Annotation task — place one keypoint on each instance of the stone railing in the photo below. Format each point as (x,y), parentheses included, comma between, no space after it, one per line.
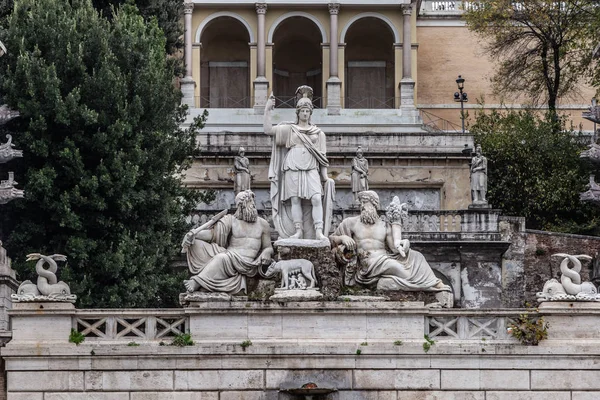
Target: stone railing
(130,325)
(472,224)
(162,325)
(446,7)
(469,324)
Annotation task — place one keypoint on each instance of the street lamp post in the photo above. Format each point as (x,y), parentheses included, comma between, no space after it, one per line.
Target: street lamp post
(461,97)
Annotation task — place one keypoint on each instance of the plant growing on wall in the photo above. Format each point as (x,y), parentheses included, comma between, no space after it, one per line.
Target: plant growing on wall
(529,330)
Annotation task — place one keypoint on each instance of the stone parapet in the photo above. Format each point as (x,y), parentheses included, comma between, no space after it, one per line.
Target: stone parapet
(371,350)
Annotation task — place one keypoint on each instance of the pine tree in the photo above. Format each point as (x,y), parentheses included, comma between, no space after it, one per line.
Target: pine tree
(99,126)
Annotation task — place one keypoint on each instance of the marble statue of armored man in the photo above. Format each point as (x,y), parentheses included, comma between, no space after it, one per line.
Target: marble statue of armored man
(302,206)
(382,253)
(236,246)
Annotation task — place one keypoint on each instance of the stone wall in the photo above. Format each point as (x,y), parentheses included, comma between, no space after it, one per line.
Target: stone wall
(540,246)
(252,351)
(528,262)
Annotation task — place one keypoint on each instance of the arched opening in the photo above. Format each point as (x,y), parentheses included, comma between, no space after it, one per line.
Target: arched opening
(297,60)
(225,64)
(369,62)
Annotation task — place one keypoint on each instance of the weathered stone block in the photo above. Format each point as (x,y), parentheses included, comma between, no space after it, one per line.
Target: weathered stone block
(396,379)
(25,396)
(562,380)
(288,379)
(440,395)
(219,380)
(87,396)
(366,395)
(484,379)
(129,380)
(528,395)
(585,395)
(246,396)
(175,396)
(45,381)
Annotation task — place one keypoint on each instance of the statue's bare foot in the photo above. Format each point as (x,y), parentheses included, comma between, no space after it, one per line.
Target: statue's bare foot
(440,285)
(319,235)
(297,235)
(191,285)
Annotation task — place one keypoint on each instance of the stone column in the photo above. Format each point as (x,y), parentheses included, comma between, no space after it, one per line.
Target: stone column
(261,84)
(188,84)
(334,84)
(407,84)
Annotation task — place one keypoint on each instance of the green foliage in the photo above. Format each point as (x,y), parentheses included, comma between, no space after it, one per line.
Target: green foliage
(427,343)
(358,352)
(245,344)
(398,343)
(133,344)
(535,172)
(529,330)
(103,150)
(76,337)
(168,14)
(541,47)
(364,344)
(182,340)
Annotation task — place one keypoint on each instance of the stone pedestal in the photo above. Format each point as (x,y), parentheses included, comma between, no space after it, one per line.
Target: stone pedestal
(329,278)
(570,321)
(334,96)
(290,295)
(41,322)
(261,93)
(407,93)
(480,205)
(188,86)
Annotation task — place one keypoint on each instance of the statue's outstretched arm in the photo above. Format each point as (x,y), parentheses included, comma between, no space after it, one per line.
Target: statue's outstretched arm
(267,124)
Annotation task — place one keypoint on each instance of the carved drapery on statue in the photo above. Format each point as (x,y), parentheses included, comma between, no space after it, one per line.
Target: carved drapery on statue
(217,269)
(417,274)
(297,156)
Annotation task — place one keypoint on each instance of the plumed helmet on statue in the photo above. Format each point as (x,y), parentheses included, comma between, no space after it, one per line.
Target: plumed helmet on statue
(371,196)
(241,150)
(243,197)
(304,94)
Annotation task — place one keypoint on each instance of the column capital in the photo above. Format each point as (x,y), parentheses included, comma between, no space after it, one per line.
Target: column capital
(407,9)
(334,8)
(188,7)
(261,8)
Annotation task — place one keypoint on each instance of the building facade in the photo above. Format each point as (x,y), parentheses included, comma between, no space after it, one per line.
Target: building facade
(383,74)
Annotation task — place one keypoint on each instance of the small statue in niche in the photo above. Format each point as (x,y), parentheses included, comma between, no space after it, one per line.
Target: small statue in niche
(241,167)
(479,179)
(360,172)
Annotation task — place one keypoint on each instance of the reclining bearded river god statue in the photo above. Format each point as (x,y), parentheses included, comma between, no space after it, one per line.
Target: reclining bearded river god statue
(369,237)
(228,248)
(302,206)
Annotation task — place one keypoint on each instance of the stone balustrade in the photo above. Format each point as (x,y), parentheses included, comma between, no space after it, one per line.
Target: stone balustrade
(446,7)
(422,225)
(131,325)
